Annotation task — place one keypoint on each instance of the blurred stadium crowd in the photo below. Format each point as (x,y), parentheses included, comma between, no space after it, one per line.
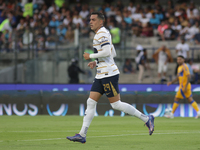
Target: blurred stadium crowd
(58,20)
(41,24)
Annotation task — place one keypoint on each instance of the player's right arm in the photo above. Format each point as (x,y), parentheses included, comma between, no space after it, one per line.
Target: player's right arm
(173,81)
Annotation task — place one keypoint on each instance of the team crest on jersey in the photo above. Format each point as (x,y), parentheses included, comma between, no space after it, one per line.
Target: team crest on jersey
(104,39)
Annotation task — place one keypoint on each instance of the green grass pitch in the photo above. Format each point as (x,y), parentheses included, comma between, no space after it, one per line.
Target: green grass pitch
(105,133)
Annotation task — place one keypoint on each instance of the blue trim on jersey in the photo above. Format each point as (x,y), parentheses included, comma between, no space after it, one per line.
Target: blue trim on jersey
(182,93)
(176,102)
(192,102)
(104,44)
(181,73)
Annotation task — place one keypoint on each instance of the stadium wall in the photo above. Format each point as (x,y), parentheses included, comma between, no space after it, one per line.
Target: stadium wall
(61,100)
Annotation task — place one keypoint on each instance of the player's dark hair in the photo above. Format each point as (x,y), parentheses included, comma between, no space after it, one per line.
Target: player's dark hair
(180,56)
(99,15)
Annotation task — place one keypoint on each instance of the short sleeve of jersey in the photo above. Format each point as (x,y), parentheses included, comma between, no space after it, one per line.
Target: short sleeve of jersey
(102,39)
(186,70)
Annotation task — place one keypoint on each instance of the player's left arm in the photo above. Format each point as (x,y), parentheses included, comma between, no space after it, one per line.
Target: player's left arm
(173,81)
(186,71)
(188,81)
(104,52)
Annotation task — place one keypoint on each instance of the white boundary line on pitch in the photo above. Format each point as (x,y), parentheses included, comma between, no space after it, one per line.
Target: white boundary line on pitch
(91,131)
(197,132)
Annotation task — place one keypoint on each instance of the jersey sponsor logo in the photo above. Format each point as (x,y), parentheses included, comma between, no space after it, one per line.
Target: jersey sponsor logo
(98,71)
(107,93)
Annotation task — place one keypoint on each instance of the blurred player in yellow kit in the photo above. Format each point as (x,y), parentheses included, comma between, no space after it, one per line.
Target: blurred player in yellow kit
(183,76)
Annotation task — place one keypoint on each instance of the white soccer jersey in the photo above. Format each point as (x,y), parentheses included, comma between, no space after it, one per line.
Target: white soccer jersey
(106,66)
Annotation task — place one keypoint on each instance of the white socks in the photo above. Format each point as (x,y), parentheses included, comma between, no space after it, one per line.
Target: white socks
(121,106)
(89,115)
(127,108)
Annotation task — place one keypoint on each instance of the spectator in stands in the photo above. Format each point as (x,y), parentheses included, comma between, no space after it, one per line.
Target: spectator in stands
(177,28)
(127,18)
(70,34)
(147,30)
(67,20)
(154,21)
(39,39)
(54,23)
(84,12)
(27,37)
(2,16)
(78,7)
(170,4)
(148,12)
(52,38)
(115,32)
(140,62)
(178,11)
(169,33)
(128,68)
(131,7)
(142,65)
(190,31)
(6,25)
(144,20)
(6,39)
(19,44)
(161,29)
(159,15)
(169,15)
(52,8)
(162,56)
(85,30)
(183,18)
(120,6)
(137,28)
(61,32)
(192,13)
(183,50)
(197,38)
(138,14)
(118,17)
(77,19)
(111,12)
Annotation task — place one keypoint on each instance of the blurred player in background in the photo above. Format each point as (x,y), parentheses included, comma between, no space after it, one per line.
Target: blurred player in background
(183,76)
(106,80)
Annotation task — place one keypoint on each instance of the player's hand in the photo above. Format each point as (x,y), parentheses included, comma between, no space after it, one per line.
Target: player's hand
(169,83)
(92,64)
(86,56)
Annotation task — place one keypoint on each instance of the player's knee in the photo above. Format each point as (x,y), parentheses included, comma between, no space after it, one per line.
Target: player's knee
(91,102)
(116,105)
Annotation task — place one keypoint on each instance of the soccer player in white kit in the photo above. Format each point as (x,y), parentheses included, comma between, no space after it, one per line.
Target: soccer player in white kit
(106,79)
